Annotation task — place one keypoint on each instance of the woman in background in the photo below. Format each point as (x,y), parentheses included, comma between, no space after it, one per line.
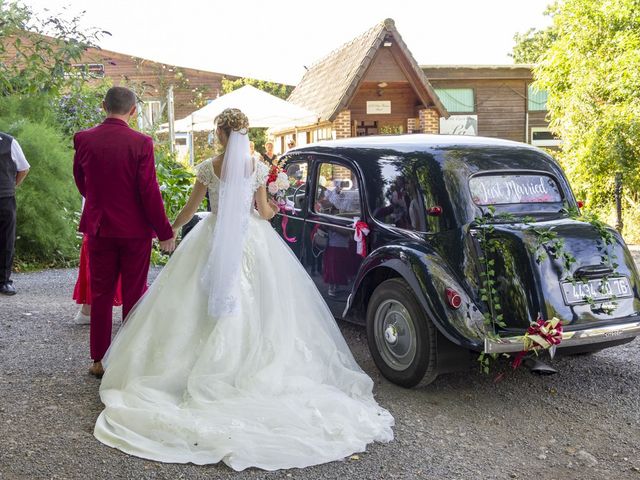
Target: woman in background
(82,290)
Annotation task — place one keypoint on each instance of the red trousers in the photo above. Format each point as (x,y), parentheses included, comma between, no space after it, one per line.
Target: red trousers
(109,258)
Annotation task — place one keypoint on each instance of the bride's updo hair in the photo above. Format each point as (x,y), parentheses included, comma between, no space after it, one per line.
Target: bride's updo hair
(232,119)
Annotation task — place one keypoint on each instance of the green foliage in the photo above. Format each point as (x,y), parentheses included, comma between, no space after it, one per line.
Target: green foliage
(33,63)
(176,181)
(277,89)
(47,200)
(80,107)
(37,55)
(32,107)
(259,137)
(591,73)
(491,247)
(548,244)
(529,46)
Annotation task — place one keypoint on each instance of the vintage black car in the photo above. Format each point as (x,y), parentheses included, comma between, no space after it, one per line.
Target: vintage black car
(429,203)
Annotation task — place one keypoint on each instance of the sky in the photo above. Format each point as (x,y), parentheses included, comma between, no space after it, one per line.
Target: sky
(274,40)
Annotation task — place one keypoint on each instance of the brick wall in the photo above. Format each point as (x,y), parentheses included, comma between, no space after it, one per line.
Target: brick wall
(342,124)
(412,125)
(429,121)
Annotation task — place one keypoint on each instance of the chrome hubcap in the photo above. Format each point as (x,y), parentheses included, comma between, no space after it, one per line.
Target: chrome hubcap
(391,335)
(395,335)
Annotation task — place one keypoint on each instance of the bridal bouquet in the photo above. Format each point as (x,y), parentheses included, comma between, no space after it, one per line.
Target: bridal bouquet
(277,183)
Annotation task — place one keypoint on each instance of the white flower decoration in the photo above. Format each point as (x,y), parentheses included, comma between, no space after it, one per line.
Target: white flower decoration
(282,181)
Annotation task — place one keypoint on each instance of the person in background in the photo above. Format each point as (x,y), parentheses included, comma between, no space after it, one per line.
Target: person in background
(13,170)
(82,289)
(291,144)
(255,155)
(269,156)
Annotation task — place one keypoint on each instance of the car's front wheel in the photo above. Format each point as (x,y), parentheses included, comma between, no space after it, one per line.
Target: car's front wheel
(401,337)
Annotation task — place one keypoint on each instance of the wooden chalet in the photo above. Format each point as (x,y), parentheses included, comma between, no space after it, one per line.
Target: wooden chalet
(368,86)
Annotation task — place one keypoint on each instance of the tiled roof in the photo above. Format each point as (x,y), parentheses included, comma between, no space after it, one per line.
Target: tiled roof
(327,87)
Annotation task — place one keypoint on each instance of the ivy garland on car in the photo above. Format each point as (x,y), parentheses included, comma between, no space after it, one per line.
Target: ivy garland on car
(542,334)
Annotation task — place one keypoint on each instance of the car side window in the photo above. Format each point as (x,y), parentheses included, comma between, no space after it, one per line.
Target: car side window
(296,193)
(402,204)
(337,191)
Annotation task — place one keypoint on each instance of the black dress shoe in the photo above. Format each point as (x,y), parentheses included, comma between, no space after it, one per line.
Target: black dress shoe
(7,289)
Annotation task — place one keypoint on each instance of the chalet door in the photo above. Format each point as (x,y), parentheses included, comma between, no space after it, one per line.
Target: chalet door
(330,252)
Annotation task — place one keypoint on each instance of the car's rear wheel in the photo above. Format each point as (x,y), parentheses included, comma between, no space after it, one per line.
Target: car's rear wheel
(401,337)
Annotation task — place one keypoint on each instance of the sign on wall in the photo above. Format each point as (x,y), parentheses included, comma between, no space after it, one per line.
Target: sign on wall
(377,107)
(459,125)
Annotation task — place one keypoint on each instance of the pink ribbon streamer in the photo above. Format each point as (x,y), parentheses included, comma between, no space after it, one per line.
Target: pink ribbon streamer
(362,230)
(285,220)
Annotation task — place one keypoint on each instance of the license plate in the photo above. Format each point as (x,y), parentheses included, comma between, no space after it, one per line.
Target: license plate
(598,290)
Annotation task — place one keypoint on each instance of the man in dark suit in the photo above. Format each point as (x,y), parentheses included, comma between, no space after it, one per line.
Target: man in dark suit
(13,169)
(115,172)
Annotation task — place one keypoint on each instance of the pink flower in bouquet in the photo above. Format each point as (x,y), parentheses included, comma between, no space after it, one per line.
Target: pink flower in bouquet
(273,188)
(278,183)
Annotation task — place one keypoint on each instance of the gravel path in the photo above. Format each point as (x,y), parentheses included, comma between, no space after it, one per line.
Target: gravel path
(583,423)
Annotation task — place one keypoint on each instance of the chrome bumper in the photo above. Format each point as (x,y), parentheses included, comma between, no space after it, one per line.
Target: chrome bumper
(569,339)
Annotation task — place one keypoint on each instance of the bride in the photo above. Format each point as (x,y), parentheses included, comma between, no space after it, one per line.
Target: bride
(232,355)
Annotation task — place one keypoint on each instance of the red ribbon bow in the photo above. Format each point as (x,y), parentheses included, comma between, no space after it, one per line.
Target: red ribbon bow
(542,334)
(362,230)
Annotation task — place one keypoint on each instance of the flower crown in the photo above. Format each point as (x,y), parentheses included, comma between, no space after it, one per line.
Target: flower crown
(232,118)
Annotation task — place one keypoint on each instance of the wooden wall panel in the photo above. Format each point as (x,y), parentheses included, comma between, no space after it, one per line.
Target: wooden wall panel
(500,105)
(191,87)
(403,102)
(384,68)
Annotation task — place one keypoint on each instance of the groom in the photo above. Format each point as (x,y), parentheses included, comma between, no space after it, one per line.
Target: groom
(115,172)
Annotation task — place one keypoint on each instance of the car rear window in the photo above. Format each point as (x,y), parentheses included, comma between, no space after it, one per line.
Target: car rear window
(508,189)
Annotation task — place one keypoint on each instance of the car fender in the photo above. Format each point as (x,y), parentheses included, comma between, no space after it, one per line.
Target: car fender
(428,276)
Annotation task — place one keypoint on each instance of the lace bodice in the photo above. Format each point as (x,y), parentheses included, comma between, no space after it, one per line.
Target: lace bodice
(206,176)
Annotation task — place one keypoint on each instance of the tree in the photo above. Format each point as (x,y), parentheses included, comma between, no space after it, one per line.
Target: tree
(590,71)
(37,53)
(47,201)
(531,44)
(276,89)
(43,99)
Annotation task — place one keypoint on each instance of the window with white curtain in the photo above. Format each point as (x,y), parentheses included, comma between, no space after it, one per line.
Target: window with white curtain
(536,99)
(457,100)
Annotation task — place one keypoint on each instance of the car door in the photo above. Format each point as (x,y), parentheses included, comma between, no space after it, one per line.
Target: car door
(289,223)
(330,250)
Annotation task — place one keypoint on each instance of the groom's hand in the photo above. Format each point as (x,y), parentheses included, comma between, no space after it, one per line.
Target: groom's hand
(168,245)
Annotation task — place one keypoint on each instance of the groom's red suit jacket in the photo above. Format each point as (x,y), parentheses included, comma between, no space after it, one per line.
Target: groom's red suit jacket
(115,172)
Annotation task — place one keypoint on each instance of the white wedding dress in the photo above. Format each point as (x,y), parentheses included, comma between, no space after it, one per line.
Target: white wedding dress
(275,387)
